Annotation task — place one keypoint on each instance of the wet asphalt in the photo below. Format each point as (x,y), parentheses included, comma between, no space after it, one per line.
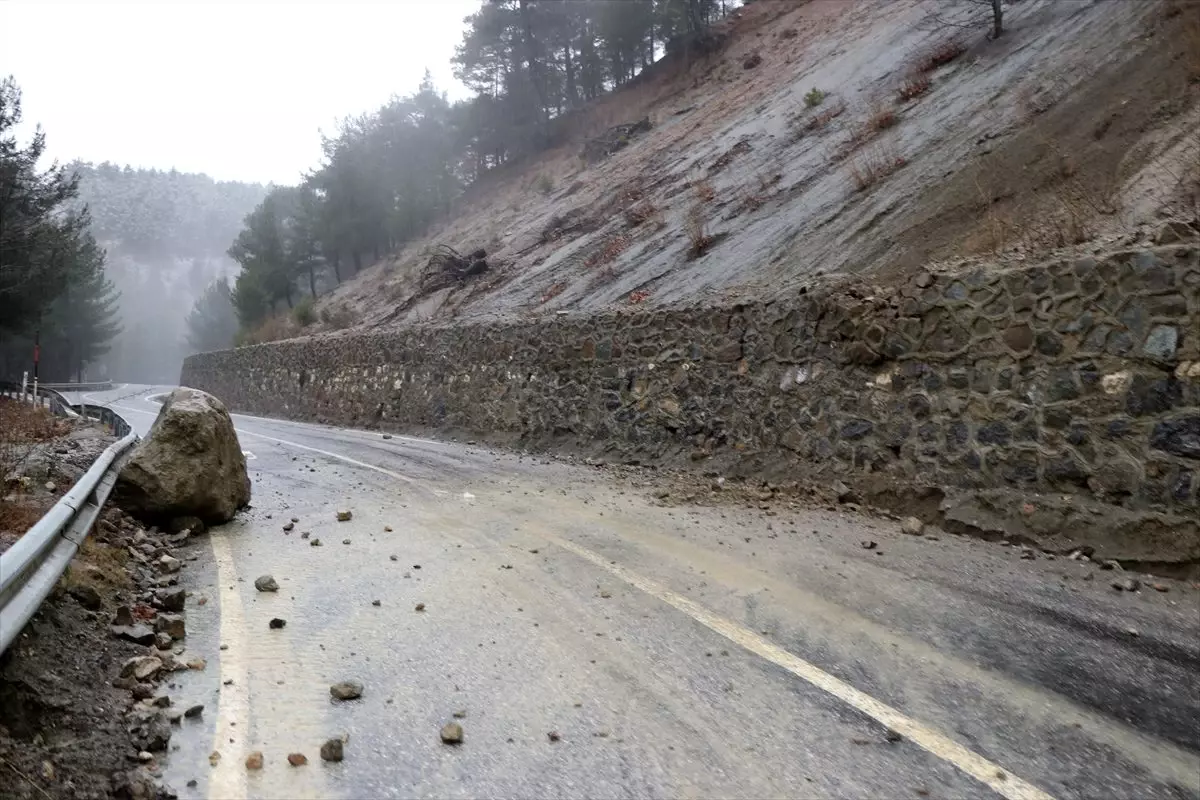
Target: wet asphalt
(594,641)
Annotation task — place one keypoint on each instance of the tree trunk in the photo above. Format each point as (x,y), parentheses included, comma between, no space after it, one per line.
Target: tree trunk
(337,266)
(997,19)
(288,296)
(357,261)
(312,281)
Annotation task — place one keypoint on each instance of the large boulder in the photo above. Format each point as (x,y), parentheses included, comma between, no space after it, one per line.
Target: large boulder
(190,464)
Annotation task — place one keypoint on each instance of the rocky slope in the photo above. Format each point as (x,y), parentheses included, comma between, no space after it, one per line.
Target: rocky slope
(929,142)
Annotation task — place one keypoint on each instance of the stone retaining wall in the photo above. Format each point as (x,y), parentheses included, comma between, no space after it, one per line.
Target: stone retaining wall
(1078,376)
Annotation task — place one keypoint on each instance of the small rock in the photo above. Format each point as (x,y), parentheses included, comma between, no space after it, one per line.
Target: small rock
(171,624)
(169,564)
(346,690)
(460,714)
(214,758)
(276,623)
(376,603)
(1126,585)
(420,607)
(138,634)
(332,750)
(344,515)
(893,737)
(194,711)
(141,667)
(295,519)
(305,535)
(1110,564)
(345,541)
(288,526)
(171,599)
(254,760)
(163,641)
(842,492)
(145,756)
(869,545)
(1131,631)
(1160,587)
(266,583)
(912,526)
(142,691)
(553,736)
(87,596)
(452,733)
(297,759)
(387,436)
(393,558)
(387,528)
(197,664)
(314,543)
(123,617)
(51,486)
(162,701)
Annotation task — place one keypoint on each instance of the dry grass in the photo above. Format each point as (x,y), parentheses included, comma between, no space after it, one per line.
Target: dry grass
(553,292)
(24,430)
(638,297)
(820,120)
(872,167)
(699,239)
(914,86)
(643,212)
(938,54)
(704,190)
(608,251)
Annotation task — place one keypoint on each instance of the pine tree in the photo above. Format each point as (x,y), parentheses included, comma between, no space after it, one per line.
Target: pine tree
(82,320)
(213,323)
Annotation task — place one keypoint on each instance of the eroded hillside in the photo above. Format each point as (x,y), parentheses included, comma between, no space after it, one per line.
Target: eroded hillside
(831,137)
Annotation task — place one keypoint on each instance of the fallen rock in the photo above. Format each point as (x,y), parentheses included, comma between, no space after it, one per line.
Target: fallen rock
(297,759)
(332,750)
(123,616)
(254,760)
(912,526)
(186,524)
(420,607)
(138,634)
(171,624)
(163,641)
(190,464)
(346,690)
(1127,585)
(171,599)
(266,583)
(276,623)
(197,664)
(169,564)
(287,526)
(87,596)
(344,515)
(452,733)
(194,711)
(314,543)
(141,667)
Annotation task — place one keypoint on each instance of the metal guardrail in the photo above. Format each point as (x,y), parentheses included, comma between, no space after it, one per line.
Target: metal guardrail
(98,386)
(31,567)
(51,399)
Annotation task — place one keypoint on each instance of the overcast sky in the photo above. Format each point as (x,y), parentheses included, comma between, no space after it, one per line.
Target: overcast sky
(238,90)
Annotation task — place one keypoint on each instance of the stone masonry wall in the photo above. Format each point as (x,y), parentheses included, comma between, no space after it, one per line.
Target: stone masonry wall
(1077,376)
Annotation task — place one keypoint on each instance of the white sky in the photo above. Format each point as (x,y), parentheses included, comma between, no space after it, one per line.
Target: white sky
(236,90)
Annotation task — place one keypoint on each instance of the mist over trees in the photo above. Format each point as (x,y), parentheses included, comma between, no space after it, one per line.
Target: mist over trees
(166,233)
(387,175)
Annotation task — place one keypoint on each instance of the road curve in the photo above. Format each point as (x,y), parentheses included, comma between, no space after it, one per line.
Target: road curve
(594,641)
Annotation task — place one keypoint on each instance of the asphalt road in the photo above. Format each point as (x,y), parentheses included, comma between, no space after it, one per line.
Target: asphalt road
(598,642)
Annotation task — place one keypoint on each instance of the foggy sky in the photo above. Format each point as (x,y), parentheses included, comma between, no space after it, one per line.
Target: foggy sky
(236,90)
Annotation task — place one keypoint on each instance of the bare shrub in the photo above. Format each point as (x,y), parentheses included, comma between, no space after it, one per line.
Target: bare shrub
(913,86)
(338,317)
(25,430)
(553,292)
(823,118)
(873,166)
(939,54)
(699,239)
(704,190)
(608,251)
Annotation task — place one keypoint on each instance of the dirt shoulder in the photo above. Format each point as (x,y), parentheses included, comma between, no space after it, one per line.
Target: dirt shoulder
(82,713)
